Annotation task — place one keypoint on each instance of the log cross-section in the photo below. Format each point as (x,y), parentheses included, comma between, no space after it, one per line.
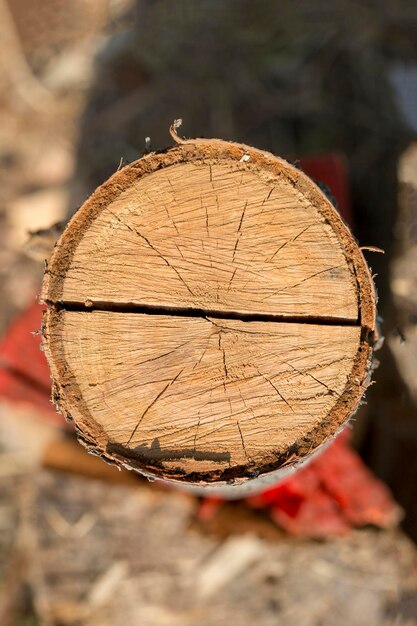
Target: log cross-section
(210,317)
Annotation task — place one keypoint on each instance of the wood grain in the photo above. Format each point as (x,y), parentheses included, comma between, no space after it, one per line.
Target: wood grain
(200,391)
(210,318)
(215,237)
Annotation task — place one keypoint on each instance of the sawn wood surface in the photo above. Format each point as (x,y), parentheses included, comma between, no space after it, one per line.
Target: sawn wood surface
(210,316)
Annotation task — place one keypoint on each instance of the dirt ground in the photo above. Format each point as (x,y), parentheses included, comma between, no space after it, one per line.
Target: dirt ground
(97,555)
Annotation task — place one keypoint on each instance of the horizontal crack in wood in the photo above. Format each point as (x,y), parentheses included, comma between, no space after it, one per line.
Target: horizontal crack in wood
(149,309)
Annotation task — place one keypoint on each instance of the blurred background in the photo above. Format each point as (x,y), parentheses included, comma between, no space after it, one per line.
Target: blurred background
(331,87)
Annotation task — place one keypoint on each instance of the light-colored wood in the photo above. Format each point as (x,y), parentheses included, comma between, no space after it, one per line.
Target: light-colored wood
(213,237)
(205,393)
(210,317)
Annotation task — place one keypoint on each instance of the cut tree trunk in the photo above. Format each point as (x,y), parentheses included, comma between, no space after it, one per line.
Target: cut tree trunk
(210,317)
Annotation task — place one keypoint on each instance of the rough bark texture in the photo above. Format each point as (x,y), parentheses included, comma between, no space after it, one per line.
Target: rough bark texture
(210,316)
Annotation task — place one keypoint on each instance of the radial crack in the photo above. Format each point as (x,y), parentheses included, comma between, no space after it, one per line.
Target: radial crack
(290,241)
(268,196)
(221,348)
(332,391)
(150,244)
(328,269)
(268,380)
(242,440)
(239,231)
(161,356)
(231,280)
(152,404)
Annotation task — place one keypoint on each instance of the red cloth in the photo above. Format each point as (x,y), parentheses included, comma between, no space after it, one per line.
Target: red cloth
(24,372)
(331,494)
(332,171)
